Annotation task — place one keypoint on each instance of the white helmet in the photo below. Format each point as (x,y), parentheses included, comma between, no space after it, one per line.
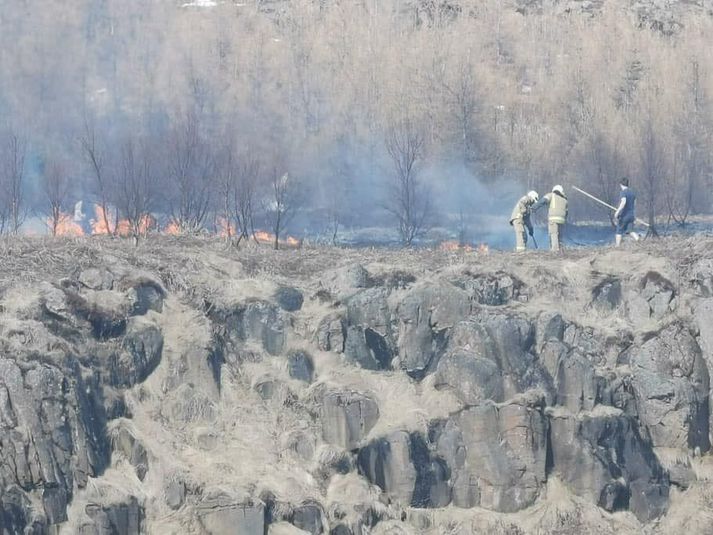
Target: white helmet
(558,189)
(534,197)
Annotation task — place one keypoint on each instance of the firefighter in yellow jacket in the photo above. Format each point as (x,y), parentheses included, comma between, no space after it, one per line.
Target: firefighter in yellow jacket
(520,219)
(557,216)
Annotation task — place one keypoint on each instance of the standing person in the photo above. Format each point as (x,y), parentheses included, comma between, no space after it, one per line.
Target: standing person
(557,215)
(520,219)
(626,213)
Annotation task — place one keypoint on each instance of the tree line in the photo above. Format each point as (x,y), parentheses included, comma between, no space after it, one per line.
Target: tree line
(249,110)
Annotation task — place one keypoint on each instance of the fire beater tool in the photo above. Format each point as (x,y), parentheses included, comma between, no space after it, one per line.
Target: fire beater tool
(595,199)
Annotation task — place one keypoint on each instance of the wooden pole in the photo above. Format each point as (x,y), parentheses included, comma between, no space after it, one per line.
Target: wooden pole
(575,188)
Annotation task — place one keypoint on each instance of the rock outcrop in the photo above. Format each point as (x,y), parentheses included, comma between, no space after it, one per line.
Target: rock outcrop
(374,397)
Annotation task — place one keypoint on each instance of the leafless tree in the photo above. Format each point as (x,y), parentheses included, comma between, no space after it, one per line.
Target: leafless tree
(284,201)
(56,186)
(247,180)
(602,167)
(136,187)
(12,181)
(237,187)
(691,162)
(653,165)
(462,98)
(408,199)
(191,171)
(95,155)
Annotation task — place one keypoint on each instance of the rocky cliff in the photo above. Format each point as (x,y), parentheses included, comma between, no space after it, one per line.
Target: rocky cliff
(187,387)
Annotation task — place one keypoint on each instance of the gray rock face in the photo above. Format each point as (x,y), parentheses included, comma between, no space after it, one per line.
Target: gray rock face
(491,289)
(346,281)
(175,493)
(403,466)
(289,299)
(125,442)
(704,322)
(347,417)
(124,516)
(221,514)
(605,459)
(472,378)
(656,298)
(386,463)
(332,333)
(142,348)
(369,309)
(424,315)
(486,343)
(497,454)
(309,517)
(577,386)
(607,294)
(105,310)
(51,434)
(146,296)
(672,388)
(96,279)
(300,366)
(368,349)
(257,321)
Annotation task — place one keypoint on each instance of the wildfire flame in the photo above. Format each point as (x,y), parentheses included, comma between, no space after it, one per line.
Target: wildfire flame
(109,225)
(452,246)
(66,226)
(263,236)
(225,228)
(173,228)
(103,225)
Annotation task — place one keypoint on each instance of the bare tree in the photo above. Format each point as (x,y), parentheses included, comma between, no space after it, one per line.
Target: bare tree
(237,187)
(462,96)
(96,159)
(191,168)
(12,181)
(408,200)
(283,204)
(247,180)
(653,165)
(691,163)
(136,187)
(56,188)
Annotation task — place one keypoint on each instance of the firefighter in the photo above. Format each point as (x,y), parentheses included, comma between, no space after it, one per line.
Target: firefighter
(520,219)
(557,215)
(625,214)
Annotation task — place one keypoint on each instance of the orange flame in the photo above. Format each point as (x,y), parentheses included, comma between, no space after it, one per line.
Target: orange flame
(123,226)
(452,245)
(263,236)
(99,224)
(173,228)
(225,228)
(66,226)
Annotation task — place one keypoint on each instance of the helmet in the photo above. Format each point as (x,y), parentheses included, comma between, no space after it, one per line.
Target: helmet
(558,189)
(534,197)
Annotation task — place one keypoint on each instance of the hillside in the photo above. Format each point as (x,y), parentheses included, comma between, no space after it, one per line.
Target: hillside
(185,387)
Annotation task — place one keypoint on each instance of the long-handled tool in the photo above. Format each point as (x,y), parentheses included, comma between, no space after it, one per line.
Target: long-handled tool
(534,240)
(605,204)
